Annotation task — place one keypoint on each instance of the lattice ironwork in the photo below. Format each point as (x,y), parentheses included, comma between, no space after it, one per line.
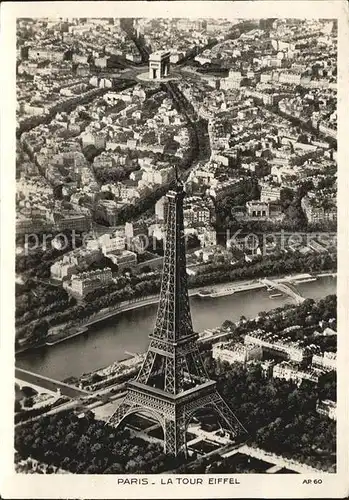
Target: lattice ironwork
(147,366)
(173,320)
(172,383)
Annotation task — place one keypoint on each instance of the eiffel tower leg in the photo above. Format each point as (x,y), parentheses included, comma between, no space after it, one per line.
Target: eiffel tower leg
(174,435)
(170,437)
(135,403)
(120,412)
(181,432)
(226,413)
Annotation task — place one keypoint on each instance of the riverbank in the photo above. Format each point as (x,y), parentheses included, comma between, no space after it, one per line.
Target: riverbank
(215,291)
(79,331)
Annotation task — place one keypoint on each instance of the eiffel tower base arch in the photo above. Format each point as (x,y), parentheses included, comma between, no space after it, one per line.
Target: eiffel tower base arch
(174,416)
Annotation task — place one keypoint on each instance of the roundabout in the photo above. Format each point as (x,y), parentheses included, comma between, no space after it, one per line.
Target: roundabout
(144,77)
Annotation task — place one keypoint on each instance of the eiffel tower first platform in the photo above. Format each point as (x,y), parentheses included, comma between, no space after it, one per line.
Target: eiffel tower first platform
(172,383)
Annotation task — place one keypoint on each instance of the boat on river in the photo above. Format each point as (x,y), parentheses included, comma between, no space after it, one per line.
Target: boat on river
(212,294)
(229,290)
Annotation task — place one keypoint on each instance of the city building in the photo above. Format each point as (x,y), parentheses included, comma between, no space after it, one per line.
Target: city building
(31,225)
(112,242)
(157,174)
(263,209)
(63,269)
(123,259)
(74,261)
(82,284)
(319,209)
(161,209)
(107,210)
(134,229)
(197,213)
(275,346)
(207,236)
(236,352)
(289,370)
(270,193)
(326,361)
(72,221)
(327,407)
(267,367)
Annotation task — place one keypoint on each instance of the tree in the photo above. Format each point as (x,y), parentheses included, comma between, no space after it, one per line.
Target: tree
(106,195)
(50,470)
(115,468)
(295,216)
(28,402)
(92,469)
(132,466)
(227,324)
(303,138)
(90,152)
(90,416)
(286,197)
(39,330)
(66,463)
(255,190)
(29,391)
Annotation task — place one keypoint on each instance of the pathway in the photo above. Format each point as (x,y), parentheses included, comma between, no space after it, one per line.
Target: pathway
(277,460)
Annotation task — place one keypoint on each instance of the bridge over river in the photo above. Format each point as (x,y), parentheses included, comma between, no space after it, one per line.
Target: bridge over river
(52,385)
(285,288)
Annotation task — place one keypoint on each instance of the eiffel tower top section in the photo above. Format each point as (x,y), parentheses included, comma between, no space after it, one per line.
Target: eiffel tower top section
(173,321)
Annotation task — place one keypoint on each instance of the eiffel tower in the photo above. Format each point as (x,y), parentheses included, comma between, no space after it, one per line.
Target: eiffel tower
(172,384)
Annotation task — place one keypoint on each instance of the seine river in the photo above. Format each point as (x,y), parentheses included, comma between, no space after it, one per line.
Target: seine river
(127,332)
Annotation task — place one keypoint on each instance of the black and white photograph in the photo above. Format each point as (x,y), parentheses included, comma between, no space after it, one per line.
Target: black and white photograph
(175,249)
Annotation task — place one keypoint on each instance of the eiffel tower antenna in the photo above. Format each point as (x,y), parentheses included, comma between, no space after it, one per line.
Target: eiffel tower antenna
(172,383)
